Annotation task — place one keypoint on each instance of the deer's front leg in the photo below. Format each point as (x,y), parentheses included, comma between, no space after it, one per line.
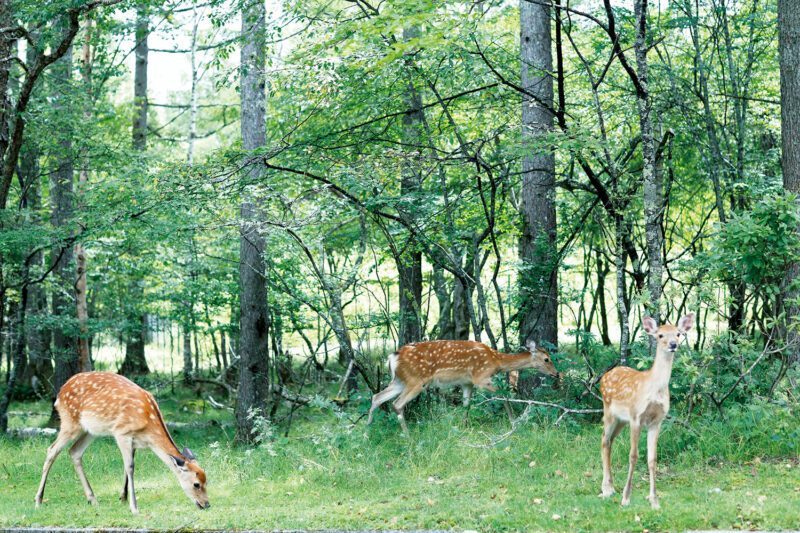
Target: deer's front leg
(652,442)
(636,430)
(126,448)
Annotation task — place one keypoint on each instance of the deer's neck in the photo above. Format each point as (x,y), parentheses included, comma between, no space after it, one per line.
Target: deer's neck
(164,448)
(661,371)
(512,361)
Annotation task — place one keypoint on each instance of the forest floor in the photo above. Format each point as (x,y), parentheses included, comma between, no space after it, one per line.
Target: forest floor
(333,474)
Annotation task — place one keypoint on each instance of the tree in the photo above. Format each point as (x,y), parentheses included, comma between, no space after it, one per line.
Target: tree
(255,318)
(789,46)
(135,362)
(65,346)
(653,187)
(537,247)
(409,257)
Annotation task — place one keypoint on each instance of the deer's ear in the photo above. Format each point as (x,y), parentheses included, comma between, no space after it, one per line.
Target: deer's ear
(187,453)
(180,463)
(686,323)
(649,325)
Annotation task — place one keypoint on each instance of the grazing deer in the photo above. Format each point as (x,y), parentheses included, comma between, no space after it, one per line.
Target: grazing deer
(91,404)
(465,363)
(640,399)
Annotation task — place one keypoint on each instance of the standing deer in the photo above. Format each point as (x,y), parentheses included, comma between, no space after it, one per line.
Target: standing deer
(640,399)
(465,363)
(92,404)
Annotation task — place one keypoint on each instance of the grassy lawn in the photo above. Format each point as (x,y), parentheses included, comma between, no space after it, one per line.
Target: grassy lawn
(331,474)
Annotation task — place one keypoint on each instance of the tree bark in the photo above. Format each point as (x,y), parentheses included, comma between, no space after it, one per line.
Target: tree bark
(445,328)
(254,363)
(537,246)
(135,362)
(653,189)
(789,50)
(409,262)
(187,355)
(65,351)
(84,357)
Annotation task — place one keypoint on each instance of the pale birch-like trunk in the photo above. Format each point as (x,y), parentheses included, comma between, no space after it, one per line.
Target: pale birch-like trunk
(653,189)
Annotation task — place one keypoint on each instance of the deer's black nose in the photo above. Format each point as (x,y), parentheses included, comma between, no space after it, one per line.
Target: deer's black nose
(673,345)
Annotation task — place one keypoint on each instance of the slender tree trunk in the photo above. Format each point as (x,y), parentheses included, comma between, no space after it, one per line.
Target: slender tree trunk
(84,357)
(462,294)
(15,372)
(187,355)
(602,272)
(254,363)
(653,189)
(409,263)
(65,351)
(537,247)
(789,48)
(445,329)
(193,97)
(135,362)
(40,365)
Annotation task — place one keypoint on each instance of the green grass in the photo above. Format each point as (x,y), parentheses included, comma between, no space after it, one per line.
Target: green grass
(331,474)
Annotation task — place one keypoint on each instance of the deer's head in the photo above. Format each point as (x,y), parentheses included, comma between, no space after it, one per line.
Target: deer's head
(668,336)
(540,359)
(191,477)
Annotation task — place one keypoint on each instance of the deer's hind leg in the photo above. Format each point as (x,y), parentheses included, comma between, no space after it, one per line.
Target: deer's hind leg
(408,394)
(76,453)
(394,388)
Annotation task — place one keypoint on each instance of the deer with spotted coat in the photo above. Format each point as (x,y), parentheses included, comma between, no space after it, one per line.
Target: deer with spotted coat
(465,363)
(640,399)
(92,404)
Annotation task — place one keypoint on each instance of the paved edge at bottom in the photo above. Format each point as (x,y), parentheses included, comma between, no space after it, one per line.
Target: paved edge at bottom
(176,530)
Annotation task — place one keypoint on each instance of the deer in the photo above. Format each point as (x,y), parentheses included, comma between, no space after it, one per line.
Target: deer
(92,404)
(467,363)
(640,399)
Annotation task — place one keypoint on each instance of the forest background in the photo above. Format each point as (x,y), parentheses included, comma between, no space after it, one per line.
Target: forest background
(245,207)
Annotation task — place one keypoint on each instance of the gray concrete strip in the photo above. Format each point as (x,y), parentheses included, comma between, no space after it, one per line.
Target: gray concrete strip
(125,530)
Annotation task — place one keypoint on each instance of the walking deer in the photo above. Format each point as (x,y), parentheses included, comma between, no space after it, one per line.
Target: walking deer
(465,363)
(640,399)
(92,404)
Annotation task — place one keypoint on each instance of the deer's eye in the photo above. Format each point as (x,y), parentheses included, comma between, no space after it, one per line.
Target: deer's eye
(196,485)
(546,360)
(661,336)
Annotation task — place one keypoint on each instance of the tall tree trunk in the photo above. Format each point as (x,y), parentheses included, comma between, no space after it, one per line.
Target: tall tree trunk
(135,362)
(462,294)
(15,372)
(253,391)
(537,247)
(84,357)
(187,355)
(789,49)
(538,276)
(653,189)
(40,365)
(602,272)
(193,95)
(445,329)
(65,352)
(409,262)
